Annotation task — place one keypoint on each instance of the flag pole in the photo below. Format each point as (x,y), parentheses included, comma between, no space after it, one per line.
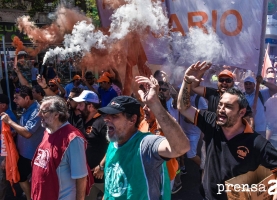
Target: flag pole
(6,72)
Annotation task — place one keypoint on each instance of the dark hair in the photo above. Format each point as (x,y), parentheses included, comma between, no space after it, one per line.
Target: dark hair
(157,73)
(24,91)
(39,89)
(95,105)
(242,101)
(89,75)
(35,64)
(57,104)
(77,91)
(129,116)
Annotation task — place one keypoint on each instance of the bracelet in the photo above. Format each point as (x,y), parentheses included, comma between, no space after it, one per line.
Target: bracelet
(187,81)
(101,167)
(45,87)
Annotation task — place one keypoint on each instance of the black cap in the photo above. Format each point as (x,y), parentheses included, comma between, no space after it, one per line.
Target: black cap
(4,99)
(120,104)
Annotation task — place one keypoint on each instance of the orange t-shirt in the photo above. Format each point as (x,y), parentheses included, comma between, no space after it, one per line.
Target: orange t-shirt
(172,164)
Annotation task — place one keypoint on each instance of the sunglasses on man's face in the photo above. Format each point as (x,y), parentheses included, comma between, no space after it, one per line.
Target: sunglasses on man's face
(226,80)
(163,89)
(52,85)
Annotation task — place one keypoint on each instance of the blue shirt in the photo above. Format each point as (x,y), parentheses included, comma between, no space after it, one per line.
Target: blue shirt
(32,123)
(106,95)
(69,87)
(12,116)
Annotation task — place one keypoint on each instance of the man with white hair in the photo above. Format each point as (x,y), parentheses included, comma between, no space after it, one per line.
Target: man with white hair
(59,165)
(264,95)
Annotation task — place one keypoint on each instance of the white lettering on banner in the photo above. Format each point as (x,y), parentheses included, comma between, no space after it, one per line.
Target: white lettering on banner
(42,158)
(260,188)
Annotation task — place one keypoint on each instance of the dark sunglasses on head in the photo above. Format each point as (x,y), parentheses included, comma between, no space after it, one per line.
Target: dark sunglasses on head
(17,90)
(226,80)
(163,89)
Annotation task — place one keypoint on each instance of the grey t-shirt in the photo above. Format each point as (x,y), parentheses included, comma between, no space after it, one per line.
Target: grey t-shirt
(152,163)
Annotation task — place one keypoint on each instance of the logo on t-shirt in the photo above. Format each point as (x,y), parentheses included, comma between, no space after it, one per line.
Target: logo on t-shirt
(116,180)
(242,152)
(42,158)
(89,129)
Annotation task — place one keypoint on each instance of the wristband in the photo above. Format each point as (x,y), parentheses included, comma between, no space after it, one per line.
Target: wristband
(45,87)
(101,167)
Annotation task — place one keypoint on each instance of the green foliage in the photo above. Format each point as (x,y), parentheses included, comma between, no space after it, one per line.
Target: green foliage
(37,6)
(272,6)
(92,12)
(89,7)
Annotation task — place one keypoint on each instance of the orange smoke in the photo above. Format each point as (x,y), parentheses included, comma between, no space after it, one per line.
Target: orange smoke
(52,34)
(18,44)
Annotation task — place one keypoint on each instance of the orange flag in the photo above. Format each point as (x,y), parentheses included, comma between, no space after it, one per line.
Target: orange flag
(267,62)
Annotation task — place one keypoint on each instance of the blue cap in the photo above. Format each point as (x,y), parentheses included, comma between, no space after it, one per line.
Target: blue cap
(88,96)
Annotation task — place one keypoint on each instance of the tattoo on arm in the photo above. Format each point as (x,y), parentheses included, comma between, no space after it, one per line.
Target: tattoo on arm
(186,95)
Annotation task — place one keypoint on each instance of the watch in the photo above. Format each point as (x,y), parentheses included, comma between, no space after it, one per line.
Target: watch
(101,167)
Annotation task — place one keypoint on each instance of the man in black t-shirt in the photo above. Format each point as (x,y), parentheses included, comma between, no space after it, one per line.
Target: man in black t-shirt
(95,131)
(225,81)
(233,148)
(75,117)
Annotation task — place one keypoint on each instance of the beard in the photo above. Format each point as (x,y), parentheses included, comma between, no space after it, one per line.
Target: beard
(84,113)
(230,121)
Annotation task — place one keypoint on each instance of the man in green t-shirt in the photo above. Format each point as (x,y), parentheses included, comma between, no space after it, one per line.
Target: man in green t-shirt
(135,167)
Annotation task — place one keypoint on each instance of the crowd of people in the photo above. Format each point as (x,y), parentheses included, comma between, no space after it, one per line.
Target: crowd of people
(87,139)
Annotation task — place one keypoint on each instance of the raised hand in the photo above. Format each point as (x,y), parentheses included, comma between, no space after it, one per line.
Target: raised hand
(193,72)
(148,90)
(41,81)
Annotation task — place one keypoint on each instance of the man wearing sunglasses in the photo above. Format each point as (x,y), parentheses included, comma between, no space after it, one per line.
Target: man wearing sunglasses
(94,131)
(75,117)
(225,81)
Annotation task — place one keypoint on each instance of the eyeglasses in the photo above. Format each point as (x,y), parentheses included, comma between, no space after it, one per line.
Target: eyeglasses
(52,85)
(70,98)
(44,111)
(226,80)
(163,89)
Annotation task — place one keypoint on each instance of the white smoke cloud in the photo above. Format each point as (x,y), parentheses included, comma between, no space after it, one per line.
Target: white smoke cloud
(135,15)
(81,40)
(138,15)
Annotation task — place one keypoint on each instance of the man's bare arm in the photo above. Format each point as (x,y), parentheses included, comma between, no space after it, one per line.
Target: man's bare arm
(81,184)
(183,103)
(176,142)
(22,79)
(17,128)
